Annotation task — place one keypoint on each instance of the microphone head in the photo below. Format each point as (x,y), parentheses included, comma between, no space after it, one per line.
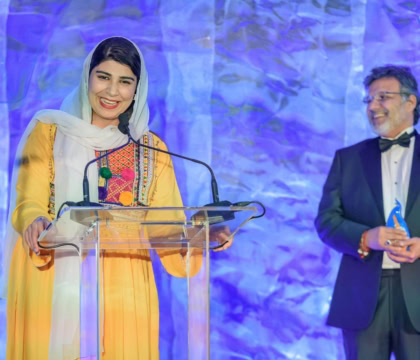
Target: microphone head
(123,124)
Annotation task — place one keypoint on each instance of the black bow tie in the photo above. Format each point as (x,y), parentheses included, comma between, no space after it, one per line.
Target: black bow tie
(403,140)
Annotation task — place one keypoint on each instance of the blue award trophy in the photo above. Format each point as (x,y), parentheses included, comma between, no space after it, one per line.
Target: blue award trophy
(396,220)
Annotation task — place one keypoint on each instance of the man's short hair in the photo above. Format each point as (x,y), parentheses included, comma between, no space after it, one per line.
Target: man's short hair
(404,75)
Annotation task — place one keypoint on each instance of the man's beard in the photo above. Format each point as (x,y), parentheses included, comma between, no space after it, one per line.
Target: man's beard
(384,128)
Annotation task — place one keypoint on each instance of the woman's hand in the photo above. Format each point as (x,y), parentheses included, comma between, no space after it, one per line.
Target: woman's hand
(221,235)
(32,232)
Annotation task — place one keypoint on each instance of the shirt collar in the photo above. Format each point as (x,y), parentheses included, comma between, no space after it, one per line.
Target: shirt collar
(408,130)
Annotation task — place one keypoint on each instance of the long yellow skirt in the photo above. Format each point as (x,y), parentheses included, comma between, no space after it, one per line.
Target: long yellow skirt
(131,324)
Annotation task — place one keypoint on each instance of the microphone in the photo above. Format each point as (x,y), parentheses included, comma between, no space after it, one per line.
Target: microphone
(123,127)
(215,216)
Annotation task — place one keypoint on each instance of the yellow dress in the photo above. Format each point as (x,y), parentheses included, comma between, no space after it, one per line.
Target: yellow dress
(131,324)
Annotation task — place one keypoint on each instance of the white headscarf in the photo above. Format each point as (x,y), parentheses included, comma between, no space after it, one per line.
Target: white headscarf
(75,144)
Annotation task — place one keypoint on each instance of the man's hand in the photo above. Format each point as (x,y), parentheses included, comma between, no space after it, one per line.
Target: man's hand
(385,238)
(408,251)
(32,232)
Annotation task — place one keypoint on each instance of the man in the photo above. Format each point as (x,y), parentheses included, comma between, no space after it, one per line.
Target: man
(376,298)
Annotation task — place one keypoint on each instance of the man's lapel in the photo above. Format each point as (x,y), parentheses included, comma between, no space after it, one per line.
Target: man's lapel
(414,187)
(371,159)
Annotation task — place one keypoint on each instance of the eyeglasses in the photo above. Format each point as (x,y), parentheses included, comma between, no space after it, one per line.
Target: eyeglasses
(382,96)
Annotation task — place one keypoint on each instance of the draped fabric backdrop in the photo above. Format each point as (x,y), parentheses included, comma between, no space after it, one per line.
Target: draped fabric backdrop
(264,91)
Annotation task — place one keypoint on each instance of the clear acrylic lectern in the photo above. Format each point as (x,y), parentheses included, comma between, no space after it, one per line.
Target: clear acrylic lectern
(94,232)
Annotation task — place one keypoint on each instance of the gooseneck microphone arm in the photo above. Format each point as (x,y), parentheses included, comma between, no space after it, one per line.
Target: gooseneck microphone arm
(225,215)
(123,127)
(214,188)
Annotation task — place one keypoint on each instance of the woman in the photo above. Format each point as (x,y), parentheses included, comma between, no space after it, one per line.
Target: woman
(54,150)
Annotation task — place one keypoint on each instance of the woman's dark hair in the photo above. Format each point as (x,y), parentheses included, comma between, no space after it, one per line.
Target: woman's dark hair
(120,50)
(408,83)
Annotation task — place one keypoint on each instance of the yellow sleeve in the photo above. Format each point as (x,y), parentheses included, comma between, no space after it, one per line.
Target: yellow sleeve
(166,193)
(36,172)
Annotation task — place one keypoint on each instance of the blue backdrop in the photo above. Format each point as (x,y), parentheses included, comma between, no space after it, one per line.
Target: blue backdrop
(264,91)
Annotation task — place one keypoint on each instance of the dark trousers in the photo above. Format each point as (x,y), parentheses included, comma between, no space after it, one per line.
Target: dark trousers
(391,330)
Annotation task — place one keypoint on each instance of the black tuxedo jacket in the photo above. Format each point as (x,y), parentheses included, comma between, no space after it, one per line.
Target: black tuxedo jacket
(352,203)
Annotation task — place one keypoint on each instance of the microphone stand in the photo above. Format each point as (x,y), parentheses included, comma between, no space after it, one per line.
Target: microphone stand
(223,215)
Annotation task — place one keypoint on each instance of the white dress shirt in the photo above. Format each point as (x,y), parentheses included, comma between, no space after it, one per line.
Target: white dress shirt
(396,170)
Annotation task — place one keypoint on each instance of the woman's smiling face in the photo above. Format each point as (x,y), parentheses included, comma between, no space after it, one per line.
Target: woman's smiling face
(112,87)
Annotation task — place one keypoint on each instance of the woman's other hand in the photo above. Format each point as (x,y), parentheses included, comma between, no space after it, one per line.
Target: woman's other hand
(221,235)
(32,232)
